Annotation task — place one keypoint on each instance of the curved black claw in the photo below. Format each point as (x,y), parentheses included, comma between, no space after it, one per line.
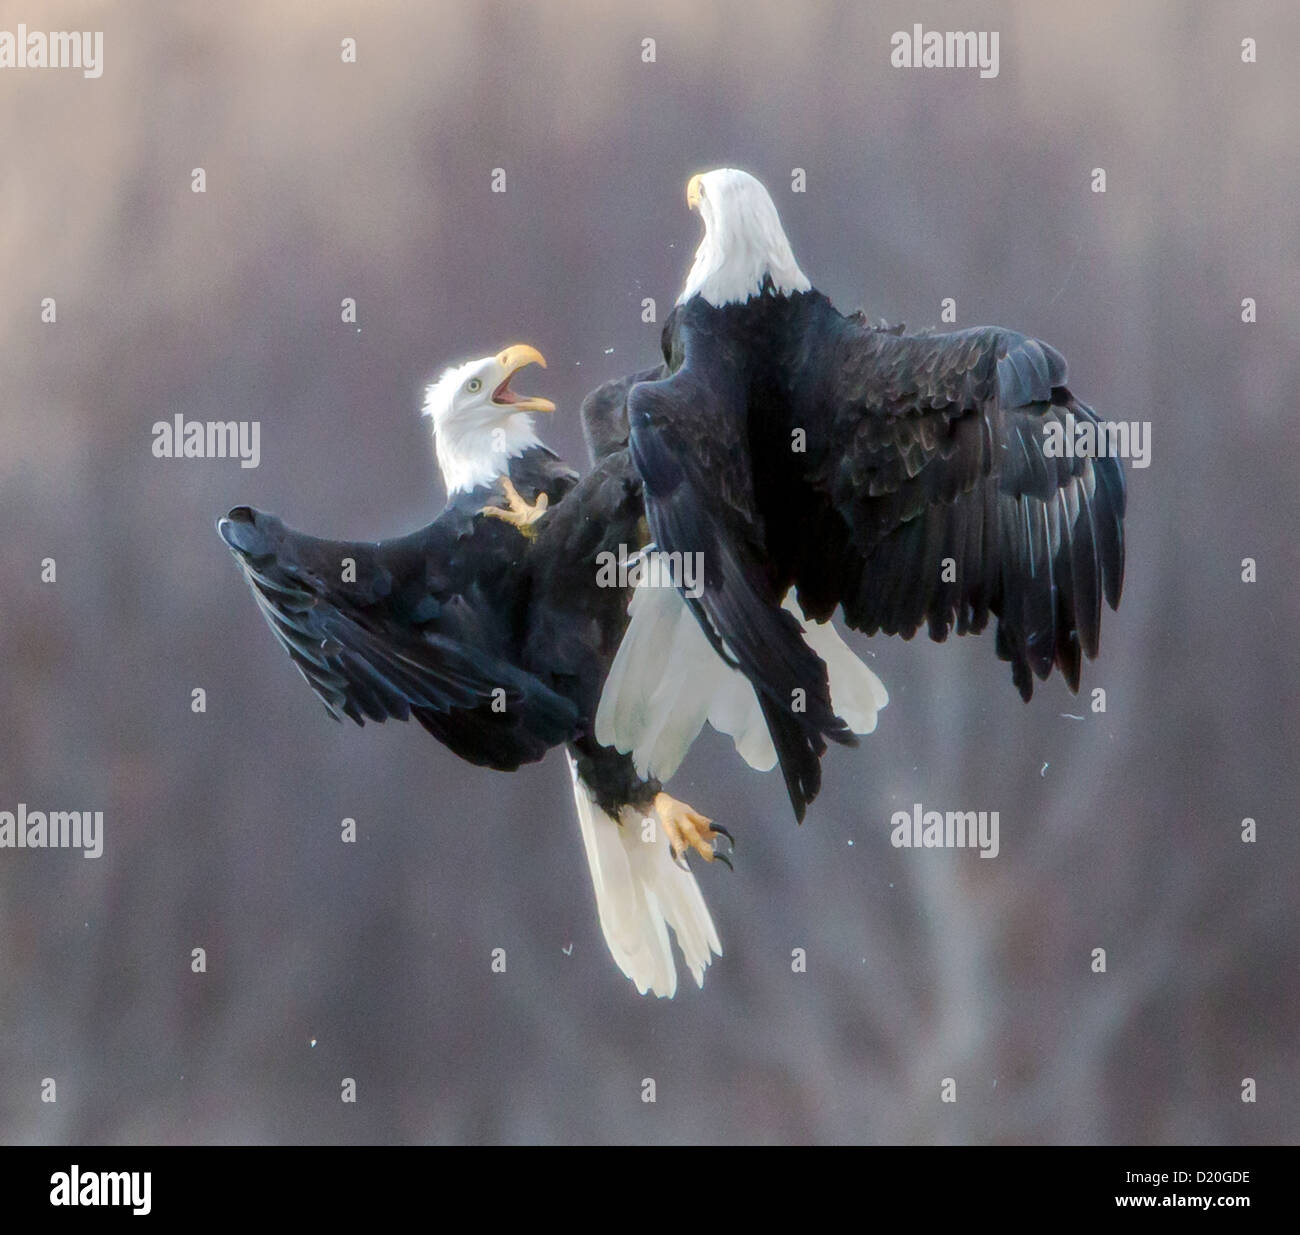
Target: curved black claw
(721,831)
(726,861)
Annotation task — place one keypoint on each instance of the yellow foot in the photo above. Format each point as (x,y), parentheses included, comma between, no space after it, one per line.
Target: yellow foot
(518,512)
(688,829)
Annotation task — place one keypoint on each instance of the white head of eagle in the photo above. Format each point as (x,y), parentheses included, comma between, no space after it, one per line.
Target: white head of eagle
(479,423)
(743,241)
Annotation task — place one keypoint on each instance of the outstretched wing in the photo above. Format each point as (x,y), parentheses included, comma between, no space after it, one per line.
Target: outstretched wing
(396,643)
(688,443)
(936,455)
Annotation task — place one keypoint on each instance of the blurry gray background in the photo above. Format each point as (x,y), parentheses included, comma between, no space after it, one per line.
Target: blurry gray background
(372,180)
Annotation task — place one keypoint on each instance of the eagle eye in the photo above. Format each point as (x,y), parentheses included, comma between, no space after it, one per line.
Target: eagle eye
(474,385)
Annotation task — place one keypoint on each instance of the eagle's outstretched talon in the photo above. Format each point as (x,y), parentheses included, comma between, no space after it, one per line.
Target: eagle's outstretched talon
(518,512)
(686,827)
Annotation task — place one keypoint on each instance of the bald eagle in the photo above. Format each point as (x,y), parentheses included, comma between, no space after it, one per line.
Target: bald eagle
(901,478)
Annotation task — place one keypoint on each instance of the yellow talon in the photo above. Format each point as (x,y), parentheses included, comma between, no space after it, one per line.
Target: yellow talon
(686,827)
(518,512)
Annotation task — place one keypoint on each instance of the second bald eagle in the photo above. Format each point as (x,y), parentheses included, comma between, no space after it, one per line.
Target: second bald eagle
(902,477)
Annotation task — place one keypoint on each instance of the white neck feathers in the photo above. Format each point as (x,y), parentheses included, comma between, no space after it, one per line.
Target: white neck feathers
(470,455)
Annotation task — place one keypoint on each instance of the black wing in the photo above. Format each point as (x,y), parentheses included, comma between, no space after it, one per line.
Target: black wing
(604,412)
(934,457)
(401,640)
(688,443)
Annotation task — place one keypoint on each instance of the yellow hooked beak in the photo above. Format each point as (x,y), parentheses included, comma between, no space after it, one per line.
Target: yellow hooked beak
(514,358)
(694,190)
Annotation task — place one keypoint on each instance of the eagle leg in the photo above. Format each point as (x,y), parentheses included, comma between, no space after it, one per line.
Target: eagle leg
(518,512)
(688,829)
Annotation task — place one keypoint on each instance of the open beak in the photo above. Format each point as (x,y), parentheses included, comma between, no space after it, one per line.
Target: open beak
(514,358)
(694,188)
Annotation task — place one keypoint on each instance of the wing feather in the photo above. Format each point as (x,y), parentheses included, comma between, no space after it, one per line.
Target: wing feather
(935,458)
(367,655)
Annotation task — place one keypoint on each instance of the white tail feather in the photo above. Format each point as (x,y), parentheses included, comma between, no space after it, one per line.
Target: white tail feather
(666,681)
(856,693)
(640,892)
